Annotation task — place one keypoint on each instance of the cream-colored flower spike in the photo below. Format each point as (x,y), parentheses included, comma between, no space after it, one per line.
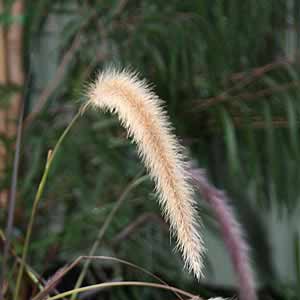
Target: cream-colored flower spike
(140,112)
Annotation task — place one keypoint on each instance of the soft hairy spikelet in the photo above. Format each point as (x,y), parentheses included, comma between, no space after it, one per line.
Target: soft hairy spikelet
(140,112)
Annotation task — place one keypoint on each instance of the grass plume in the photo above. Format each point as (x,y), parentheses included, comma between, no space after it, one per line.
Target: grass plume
(232,233)
(140,111)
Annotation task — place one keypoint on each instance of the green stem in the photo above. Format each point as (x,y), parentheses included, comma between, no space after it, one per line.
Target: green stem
(124,283)
(38,196)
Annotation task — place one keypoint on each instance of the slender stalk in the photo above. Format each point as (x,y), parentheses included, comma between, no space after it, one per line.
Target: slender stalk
(29,271)
(12,197)
(104,227)
(50,286)
(106,285)
(41,187)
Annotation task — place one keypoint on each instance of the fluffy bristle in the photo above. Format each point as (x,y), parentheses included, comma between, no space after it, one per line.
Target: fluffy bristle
(140,112)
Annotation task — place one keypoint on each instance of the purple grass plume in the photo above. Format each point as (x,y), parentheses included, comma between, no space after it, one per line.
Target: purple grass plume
(231,231)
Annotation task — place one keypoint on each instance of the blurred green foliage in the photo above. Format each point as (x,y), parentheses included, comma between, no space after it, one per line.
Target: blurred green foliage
(231,92)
